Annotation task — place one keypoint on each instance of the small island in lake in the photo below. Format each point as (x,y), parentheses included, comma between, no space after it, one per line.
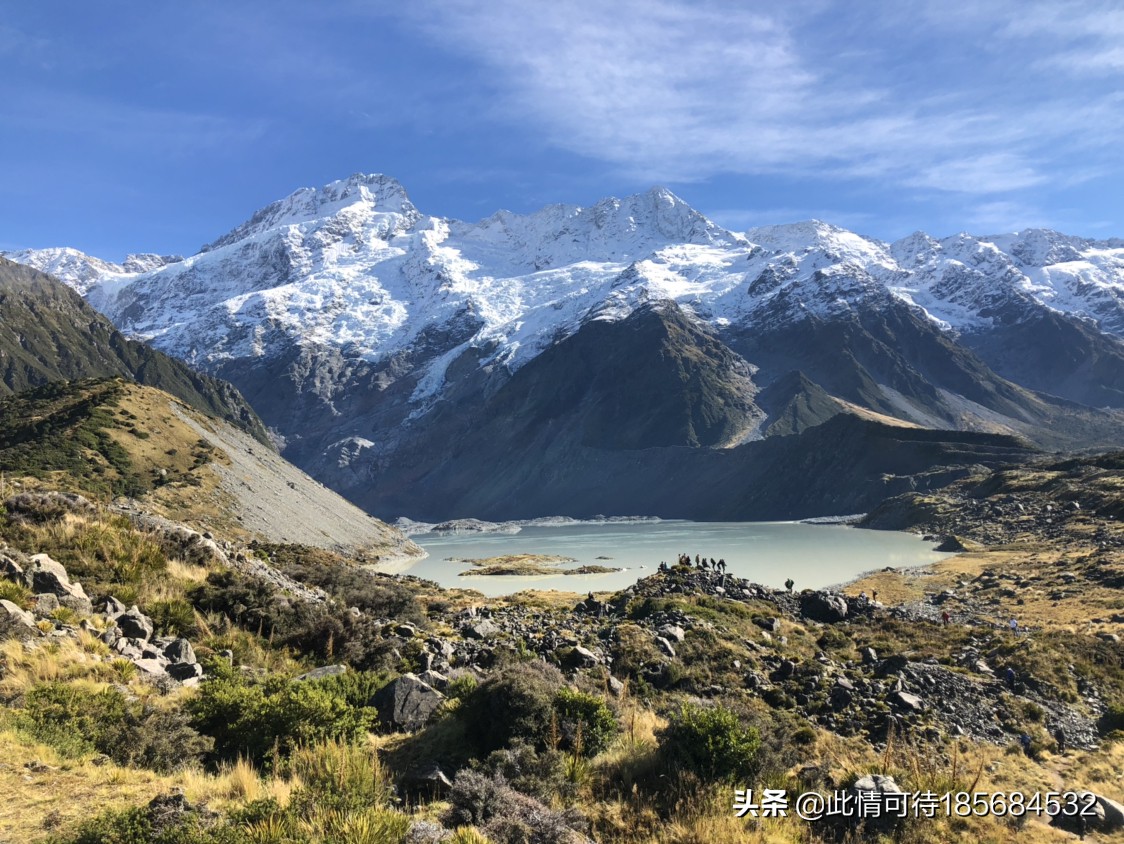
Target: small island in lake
(526,565)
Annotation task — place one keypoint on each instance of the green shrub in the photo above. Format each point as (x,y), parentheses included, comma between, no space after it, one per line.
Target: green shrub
(1112,720)
(17,593)
(142,826)
(527,702)
(76,721)
(461,687)
(173,618)
(258,720)
(516,703)
(712,743)
(321,632)
(587,722)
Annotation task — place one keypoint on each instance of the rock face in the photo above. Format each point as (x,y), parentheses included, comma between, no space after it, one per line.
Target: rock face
(45,575)
(322,672)
(408,703)
(134,624)
(16,623)
(823,606)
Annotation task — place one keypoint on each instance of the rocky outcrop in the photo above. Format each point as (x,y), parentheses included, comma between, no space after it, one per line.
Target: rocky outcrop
(826,607)
(408,703)
(45,575)
(16,623)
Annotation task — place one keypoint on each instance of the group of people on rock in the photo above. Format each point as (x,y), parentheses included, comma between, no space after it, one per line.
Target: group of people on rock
(701,563)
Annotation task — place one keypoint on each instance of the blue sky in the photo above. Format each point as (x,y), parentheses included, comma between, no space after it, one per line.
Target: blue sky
(131,126)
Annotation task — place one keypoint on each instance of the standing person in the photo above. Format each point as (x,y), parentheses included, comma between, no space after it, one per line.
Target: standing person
(945,618)
(1014,625)
(1011,677)
(788,584)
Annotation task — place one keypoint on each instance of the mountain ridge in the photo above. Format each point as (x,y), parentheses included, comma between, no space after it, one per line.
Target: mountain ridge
(372,337)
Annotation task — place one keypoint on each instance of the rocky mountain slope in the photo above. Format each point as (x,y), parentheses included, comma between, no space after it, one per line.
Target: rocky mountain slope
(48,333)
(162,461)
(404,357)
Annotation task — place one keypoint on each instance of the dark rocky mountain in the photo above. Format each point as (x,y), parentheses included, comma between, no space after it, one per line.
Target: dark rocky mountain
(49,333)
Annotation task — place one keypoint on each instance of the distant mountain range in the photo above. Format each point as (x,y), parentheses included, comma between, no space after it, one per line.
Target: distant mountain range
(629,357)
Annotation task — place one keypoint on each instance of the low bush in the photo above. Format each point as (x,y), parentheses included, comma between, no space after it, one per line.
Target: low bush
(506,816)
(587,722)
(76,721)
(711,742)
(173,618)
(325,633)
(265,721)
(529,703)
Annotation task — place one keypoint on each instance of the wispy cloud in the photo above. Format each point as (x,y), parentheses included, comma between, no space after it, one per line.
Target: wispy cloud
(676,91)
(107,123)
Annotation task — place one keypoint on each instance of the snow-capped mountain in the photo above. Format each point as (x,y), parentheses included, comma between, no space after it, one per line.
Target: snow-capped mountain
(374,337)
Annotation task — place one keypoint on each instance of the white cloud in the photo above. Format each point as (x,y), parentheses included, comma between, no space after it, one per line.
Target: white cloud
(1005,216)
(675,91)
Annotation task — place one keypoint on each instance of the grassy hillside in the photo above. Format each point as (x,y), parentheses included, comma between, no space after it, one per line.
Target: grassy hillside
(105,438)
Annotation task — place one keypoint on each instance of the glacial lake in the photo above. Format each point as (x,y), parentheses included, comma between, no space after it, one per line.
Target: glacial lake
(815,556)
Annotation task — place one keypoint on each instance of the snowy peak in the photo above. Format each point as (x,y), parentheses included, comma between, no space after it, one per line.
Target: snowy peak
(836,244)
(1041,247)
(76,269)
(365,194)
(617,230)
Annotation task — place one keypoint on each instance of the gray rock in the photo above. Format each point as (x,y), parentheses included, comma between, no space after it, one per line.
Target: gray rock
(771,625)
(184,671)
(827,607)
(406,631)
(48,575)
(425,832)
(113,607)
(180,651)
(869,656)
(1079,824)
(436,679)
(10,568)
(151,666)
(128,648)
(322,672)
(484,629)
(429,780)
(134,624)
(581,657)
(616,687)
(673,632)
(408,703)
(665,646)
(840,697)
(15,622)
(907,701)
(46,603)
(1113,813)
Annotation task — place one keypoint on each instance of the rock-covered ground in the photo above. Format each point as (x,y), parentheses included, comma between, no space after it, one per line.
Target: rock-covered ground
(923,658)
